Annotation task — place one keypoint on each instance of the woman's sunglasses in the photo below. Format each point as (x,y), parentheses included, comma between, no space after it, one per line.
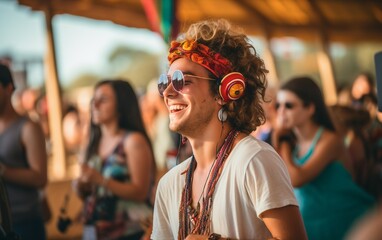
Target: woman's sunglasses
(177,80)
(288,105)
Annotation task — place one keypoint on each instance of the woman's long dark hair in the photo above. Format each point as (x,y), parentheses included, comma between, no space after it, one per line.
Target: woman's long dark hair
(309,92)
(129,115)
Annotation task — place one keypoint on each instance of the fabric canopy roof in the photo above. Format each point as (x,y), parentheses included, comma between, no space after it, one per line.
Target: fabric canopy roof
(340,20)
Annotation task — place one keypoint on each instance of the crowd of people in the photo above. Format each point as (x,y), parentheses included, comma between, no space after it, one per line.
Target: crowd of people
(214,153)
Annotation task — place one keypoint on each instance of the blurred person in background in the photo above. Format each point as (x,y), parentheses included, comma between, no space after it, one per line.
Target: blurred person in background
(264,132)
(28,100)
(370,227)
(72,129)
(41,106)
(363,84)
(118,168)
(23,163)
(374,142)
(344,97)
(6,228)
(161,136)
(330,201)
(374,130)
(17,103)
(350,123)
(364,89)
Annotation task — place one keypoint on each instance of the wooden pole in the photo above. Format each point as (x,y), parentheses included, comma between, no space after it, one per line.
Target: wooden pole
(270,63)
(53,94)
(325,67)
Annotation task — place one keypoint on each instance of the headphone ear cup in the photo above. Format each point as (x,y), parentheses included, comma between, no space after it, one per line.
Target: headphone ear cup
(232,86)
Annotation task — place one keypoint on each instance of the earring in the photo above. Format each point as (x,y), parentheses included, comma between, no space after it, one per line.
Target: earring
(222,115)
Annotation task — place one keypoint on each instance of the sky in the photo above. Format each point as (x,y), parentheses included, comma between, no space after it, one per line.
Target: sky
(82,44)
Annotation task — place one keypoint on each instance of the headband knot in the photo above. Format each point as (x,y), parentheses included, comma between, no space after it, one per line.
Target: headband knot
(200,54)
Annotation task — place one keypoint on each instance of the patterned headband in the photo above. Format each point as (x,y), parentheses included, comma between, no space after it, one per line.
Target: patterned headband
(202,55)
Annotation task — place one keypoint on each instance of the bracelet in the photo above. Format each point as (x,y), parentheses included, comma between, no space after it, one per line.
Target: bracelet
(2,169)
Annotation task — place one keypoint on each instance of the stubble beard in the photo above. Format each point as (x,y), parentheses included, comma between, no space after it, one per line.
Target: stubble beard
(194,126)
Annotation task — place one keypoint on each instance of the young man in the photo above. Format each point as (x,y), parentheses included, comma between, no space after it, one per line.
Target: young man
(234,186)
(22,163)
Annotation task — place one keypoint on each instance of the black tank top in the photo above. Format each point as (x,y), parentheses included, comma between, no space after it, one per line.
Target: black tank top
(24,201)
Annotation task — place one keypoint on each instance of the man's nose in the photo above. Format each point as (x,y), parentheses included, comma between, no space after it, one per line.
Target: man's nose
(169,91)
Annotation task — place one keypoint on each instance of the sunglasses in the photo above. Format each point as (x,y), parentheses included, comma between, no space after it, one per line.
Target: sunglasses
(287,105)
(177,80)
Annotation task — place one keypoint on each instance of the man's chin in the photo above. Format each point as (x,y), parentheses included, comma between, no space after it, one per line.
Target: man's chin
(173,127)
(178,128)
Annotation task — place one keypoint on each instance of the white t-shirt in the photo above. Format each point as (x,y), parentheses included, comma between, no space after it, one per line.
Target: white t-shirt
(254,179)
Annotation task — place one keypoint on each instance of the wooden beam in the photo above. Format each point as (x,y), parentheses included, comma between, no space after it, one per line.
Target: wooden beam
(259,17)
(122,15)
(131,14)
(316,11)
(337,33)
(119,13)
(53,94)
(376,9)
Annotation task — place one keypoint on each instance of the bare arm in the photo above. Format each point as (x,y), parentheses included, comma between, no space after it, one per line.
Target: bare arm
(140,164)
(326,151)
(33,141)
(285,223)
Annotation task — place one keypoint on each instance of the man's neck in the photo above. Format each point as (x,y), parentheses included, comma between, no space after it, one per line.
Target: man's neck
(206,144)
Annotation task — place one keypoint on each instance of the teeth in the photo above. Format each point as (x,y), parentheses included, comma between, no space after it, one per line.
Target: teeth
(177,107)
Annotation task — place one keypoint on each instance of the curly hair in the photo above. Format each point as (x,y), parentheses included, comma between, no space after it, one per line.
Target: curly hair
(246,113)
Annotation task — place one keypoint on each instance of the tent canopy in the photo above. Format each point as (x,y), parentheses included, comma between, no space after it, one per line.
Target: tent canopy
(338,20)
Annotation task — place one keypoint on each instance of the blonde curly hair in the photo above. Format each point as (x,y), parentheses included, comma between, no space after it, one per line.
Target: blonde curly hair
(246,113)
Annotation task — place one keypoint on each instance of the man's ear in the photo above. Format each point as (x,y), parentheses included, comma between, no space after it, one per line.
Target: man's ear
(220,101)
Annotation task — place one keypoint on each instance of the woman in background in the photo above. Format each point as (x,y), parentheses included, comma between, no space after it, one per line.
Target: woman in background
(362,85)
(118,168)
(330,201)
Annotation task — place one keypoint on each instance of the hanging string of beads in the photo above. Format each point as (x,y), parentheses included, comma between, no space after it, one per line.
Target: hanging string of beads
(197,221)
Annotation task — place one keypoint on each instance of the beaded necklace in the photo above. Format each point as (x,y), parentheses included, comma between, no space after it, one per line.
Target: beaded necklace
(193,221)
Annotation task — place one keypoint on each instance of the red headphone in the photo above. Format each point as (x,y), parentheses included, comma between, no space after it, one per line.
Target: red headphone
(232,86)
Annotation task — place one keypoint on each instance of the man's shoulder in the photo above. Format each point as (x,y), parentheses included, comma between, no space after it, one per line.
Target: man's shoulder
(252,151)
(176,173)
(253,146)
